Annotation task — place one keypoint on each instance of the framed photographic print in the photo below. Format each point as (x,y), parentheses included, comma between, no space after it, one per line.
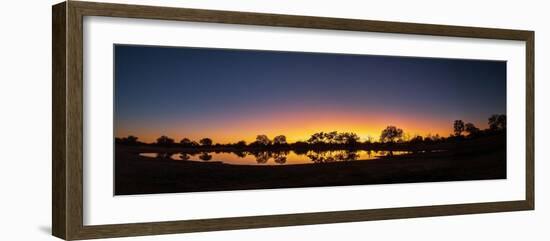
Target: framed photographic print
(218,120)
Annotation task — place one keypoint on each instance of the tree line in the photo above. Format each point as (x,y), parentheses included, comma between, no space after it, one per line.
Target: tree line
(391,134)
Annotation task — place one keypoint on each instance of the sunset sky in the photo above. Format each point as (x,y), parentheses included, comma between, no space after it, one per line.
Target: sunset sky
(232,95)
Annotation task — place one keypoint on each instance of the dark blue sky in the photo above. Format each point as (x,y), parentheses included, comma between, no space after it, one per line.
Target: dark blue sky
(175,91)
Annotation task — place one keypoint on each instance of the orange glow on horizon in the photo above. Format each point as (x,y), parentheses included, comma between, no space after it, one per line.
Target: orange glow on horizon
(295,126)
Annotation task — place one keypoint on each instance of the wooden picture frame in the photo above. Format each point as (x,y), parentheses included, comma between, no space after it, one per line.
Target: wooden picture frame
(67,76)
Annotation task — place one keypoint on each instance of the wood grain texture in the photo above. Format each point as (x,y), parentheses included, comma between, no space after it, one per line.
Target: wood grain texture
(67,197)
(122,230)
(279,20)
(59,192)
(530,120)
(74,121)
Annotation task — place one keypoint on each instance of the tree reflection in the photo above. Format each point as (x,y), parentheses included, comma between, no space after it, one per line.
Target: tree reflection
(205,156)
(280,157)
(262,156)
(369,153)
(241,154)
(164,155)
(184,156)
(352,156)
(332,156)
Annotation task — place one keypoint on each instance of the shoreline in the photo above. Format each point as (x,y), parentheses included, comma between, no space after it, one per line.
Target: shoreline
(142,175)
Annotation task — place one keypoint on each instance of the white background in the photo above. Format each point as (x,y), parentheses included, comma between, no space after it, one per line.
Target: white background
(25,126)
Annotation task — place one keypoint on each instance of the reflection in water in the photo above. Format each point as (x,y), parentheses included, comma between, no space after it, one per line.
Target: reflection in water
(205,156)
(262,156)
(332,156)
(369,153)
(240,154)
(164,155)
(184,156)
(279,157)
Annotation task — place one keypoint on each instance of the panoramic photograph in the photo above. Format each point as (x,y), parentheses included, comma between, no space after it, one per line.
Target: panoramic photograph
(209,119)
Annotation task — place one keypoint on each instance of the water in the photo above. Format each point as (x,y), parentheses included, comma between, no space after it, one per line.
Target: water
(276,157)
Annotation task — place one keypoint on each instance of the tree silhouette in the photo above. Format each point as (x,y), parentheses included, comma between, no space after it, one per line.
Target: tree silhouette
(391,134)
(164,140)
(263,140)
(369,139)
(497,122)
(471,129)
(206,142)
(129,140)
(432,138)
(241,144)
(317,138)
(331,137)
(300,148)
(280,140)
(417,139)
(458,127)
(186,142)
(348,138)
